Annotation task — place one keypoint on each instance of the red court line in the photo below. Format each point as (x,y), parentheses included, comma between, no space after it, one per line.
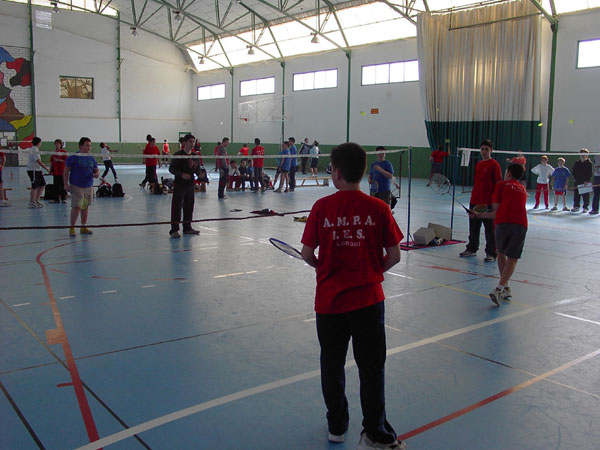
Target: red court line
(59,336)
(495,397)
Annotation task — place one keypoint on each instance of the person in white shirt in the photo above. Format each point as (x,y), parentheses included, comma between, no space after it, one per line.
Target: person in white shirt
(34,162)
(107,159)
(543,171)
(314,159)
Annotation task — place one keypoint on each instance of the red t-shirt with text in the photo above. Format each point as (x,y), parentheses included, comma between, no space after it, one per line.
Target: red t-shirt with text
(258,151)
(487,174)
(351,229)
(511,197)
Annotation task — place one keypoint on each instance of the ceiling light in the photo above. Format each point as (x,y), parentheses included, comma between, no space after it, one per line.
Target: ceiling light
(250,50)
(55,9)
(315,39)
(177,16)
(134,32)
(201,60)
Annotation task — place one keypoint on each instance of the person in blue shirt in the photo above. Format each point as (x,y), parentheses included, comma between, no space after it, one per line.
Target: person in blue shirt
(560,177)
(80,171)
(382,172)
(284,167)
(293,163)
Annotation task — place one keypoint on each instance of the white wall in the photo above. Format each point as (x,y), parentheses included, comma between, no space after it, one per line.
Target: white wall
(212,118)
(577,91)
(155,78)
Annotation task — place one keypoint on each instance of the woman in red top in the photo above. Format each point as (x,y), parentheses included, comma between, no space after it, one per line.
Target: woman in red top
(151,163)
(57,168)
(437,161)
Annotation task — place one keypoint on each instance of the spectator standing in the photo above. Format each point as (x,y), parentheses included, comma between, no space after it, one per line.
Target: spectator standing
(34,162)
(293,163)
(57,169)
(107,160)
(258,163)
(222,164)
(582,173)
(596,199)
(382,172)
(314,159)
(304,150)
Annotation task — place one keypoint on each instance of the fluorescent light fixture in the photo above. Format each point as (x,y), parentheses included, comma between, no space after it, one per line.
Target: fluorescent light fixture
(134,32)
(177,16)
(201,60)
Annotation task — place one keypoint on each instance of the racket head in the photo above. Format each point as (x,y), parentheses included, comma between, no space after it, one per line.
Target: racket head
(373,187)
(440,184)
(286,248)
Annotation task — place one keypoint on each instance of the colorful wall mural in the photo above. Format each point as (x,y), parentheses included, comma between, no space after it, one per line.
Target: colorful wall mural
(15,94)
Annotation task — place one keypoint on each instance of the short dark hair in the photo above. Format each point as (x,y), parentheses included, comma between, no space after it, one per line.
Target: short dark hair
(148,137)
(36,140)
(516,170)
(256,141)
(187,137)
(487,143)
(58,140)
(225,139)
(102,144)
(292,139)
(379,147)
(351,159)
(83,140)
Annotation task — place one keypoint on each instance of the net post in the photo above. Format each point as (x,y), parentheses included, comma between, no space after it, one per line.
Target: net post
(454,177)
(400,174)
(409,191)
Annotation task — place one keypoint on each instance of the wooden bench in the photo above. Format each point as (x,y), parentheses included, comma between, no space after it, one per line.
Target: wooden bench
(300,181)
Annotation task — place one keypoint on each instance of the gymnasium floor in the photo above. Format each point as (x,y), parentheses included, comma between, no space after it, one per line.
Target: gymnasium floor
(209,342)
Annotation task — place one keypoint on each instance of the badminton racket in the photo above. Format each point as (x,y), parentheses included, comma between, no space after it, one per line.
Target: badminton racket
(442,185)
(286,248)
(373,187)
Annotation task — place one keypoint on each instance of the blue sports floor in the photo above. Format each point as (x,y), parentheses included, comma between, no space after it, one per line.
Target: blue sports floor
(209,342)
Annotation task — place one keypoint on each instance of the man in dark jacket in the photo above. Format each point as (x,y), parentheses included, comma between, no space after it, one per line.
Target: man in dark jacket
(183,188)
(582,173)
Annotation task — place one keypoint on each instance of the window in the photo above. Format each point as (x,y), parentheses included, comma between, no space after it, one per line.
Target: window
(397,72)
(322,79)
(588,53)
(257,87)
(76,87)
(211,92)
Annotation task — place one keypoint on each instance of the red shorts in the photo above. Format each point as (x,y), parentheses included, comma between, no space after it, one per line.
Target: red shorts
(559,192)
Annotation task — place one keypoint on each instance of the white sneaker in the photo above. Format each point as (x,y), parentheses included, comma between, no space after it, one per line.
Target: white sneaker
(38,205)
(175,234)
(4,203)
(496,296)
(335,437)
(506,293)
(367,444)
(32,205)
(575,209)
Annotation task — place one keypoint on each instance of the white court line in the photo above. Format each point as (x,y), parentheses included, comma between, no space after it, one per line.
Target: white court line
(392,328)
(159,421)
(148,286)
(21,304)
(577,318)
(229,275)
(253,271)
(314,319)
(108,292)
(249,243)
(66,297)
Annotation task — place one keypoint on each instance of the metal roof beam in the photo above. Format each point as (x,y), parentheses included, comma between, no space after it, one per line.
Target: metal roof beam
(146,19)
(337,20)
(399,11)
(546,14)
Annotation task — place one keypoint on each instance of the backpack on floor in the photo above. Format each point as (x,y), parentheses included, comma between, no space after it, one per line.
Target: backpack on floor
(157,189)
(167,182)
(51,192)
(117,190)
(104,190)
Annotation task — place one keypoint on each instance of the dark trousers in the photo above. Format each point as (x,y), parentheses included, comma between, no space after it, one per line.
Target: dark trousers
(474,231)
(109,166)
(577,199)
(59,185)
(303,162)
(223,175)
(150,175)
(293,171)
(366,328)
(258,178)
(183,197)
(596,200)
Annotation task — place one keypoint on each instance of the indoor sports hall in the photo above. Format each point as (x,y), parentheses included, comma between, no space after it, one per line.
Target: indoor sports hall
(129,337)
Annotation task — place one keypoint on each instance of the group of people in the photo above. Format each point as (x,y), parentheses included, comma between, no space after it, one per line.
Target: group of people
(586,177)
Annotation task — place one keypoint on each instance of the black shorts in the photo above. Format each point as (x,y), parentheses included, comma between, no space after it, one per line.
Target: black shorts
(314,163)
(37,179)
(436,167)
(284,171)
(386,196)
(510,239)
(0,176)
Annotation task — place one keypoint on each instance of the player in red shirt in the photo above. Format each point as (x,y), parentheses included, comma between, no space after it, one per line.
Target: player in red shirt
(57,169)
(487,174)
(437,161)
(352,230)
(519,159)
(510,216)
(151,163)
(258,164)
(244,150)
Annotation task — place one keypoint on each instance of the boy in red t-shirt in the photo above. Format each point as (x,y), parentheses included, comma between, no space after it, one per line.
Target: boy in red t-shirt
(151,163)
(510,216)
(437,162)
(258,164)
(487,174)
(352,230)
(57,169)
